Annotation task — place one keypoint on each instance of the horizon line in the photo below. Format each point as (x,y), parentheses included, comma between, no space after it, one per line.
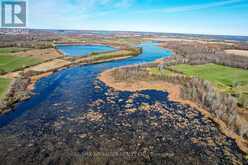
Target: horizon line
(138,31)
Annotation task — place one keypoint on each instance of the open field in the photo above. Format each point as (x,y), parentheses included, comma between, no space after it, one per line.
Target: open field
(10,62)
(45,68)
(50,65)
(4,85)
(12,59)
(12,50)
(227,79)
(42,54)
(221,76)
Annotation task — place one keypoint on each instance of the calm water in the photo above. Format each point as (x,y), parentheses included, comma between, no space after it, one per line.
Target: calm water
(73,119)
(77,81)
(82,50)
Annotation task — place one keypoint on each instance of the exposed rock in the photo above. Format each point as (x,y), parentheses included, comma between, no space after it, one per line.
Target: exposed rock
(93,116)
(131,110)
(82,136)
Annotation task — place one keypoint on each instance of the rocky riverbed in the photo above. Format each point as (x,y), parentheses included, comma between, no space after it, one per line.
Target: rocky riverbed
(119,128)
(75,119)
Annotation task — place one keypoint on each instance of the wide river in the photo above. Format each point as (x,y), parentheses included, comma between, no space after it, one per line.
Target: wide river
(75,119)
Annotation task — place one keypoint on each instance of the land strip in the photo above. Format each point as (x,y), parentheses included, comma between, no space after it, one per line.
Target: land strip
(28,76)
(136,78)
(237,52)
(202,74)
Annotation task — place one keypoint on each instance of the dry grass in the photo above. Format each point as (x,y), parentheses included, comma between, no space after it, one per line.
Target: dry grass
(237,52)
(51,65)
(43,54)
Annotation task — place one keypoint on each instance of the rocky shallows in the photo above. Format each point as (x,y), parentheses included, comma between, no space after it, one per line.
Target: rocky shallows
(76,119)
(140,77)
(120,128)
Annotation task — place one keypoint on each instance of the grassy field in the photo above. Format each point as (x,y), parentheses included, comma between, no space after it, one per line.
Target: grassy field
(4,85)
(116,54)
(12,50)
(221,76)
(227,79)
(10,62)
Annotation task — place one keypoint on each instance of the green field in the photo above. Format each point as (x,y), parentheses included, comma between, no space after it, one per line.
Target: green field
(12,50)
(10,62)
(4,85)
(227,79)
(219,75)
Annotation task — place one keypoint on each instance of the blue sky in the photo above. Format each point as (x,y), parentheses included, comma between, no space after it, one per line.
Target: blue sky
(182,16)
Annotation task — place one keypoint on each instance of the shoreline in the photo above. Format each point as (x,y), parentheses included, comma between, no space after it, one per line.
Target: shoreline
(37,77)
(173,91)
(116,46)
(34,73)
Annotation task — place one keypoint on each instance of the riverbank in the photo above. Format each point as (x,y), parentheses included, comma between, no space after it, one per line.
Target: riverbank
(136,78)
(24,81)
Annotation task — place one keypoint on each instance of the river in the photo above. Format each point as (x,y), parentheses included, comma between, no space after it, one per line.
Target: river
(75,119)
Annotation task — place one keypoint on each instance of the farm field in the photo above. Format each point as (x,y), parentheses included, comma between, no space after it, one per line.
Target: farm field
(10,62)
(227,79)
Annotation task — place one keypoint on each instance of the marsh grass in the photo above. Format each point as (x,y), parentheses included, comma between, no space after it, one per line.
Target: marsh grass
(221,105)
(116,54)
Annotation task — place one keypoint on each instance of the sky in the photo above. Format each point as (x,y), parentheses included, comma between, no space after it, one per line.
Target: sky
(227,17)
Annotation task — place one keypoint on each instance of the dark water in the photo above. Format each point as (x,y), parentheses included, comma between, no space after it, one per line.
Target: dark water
(75,119)
(82,50)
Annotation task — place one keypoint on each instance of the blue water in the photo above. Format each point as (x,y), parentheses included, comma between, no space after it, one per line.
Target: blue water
(73,87)
(51,127)
(83,50)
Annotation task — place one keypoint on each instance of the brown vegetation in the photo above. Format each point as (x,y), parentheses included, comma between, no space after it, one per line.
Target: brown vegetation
(17,92)
(43,54)
(25,79)
(202,53)
(220,107)
(27,39)
(237,52)
(114,41)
